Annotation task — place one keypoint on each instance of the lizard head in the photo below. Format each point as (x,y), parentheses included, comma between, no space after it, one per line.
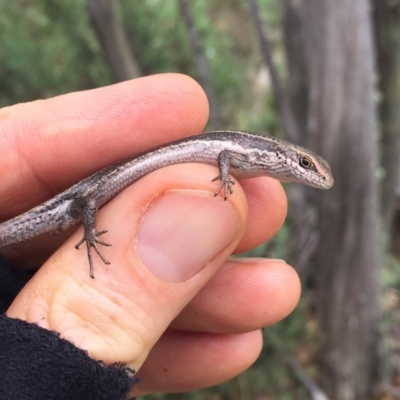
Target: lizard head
(304,166)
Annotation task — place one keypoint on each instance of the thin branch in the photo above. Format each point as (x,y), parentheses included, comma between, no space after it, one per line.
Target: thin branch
(285,110)
(201,62)
(315,391)
(110,31)
(307,253)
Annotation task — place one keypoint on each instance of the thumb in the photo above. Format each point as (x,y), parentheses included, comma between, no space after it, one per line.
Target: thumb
(168,240)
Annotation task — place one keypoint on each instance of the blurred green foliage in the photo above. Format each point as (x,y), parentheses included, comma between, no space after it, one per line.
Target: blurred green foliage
(48,47)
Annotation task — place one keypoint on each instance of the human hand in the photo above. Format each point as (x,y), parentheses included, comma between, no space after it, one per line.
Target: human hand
(169,304)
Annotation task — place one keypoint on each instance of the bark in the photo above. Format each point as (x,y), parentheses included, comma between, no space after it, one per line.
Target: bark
(387,27)
(342,124)
(202,64)
(330,58)
(112,37)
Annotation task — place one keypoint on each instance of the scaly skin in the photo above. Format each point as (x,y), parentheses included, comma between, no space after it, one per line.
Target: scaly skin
(241,154)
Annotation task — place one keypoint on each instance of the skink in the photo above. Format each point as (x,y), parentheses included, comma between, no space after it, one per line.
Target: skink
(241,154)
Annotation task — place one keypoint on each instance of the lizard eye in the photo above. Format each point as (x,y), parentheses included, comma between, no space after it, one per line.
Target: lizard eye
(306,162)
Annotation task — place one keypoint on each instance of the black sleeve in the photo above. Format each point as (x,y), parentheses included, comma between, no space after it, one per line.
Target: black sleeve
(36,364)
(11,282)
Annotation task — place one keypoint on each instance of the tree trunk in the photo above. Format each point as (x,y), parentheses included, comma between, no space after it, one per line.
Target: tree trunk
(304,238)
(342,124)
(387,27)
(112,37)
(330,54)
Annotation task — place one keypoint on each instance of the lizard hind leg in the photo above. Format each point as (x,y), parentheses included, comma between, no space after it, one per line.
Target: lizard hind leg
(86,208)
(91,242)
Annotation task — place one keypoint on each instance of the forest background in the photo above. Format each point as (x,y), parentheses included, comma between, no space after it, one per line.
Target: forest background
(321,73)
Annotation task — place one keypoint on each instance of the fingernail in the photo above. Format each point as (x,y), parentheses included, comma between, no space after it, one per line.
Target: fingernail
(182,231)
(256,260)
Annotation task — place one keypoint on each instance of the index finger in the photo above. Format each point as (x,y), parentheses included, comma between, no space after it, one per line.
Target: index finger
(48,145)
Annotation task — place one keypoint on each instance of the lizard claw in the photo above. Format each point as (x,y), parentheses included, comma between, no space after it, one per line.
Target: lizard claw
(92,241)
(226,184)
